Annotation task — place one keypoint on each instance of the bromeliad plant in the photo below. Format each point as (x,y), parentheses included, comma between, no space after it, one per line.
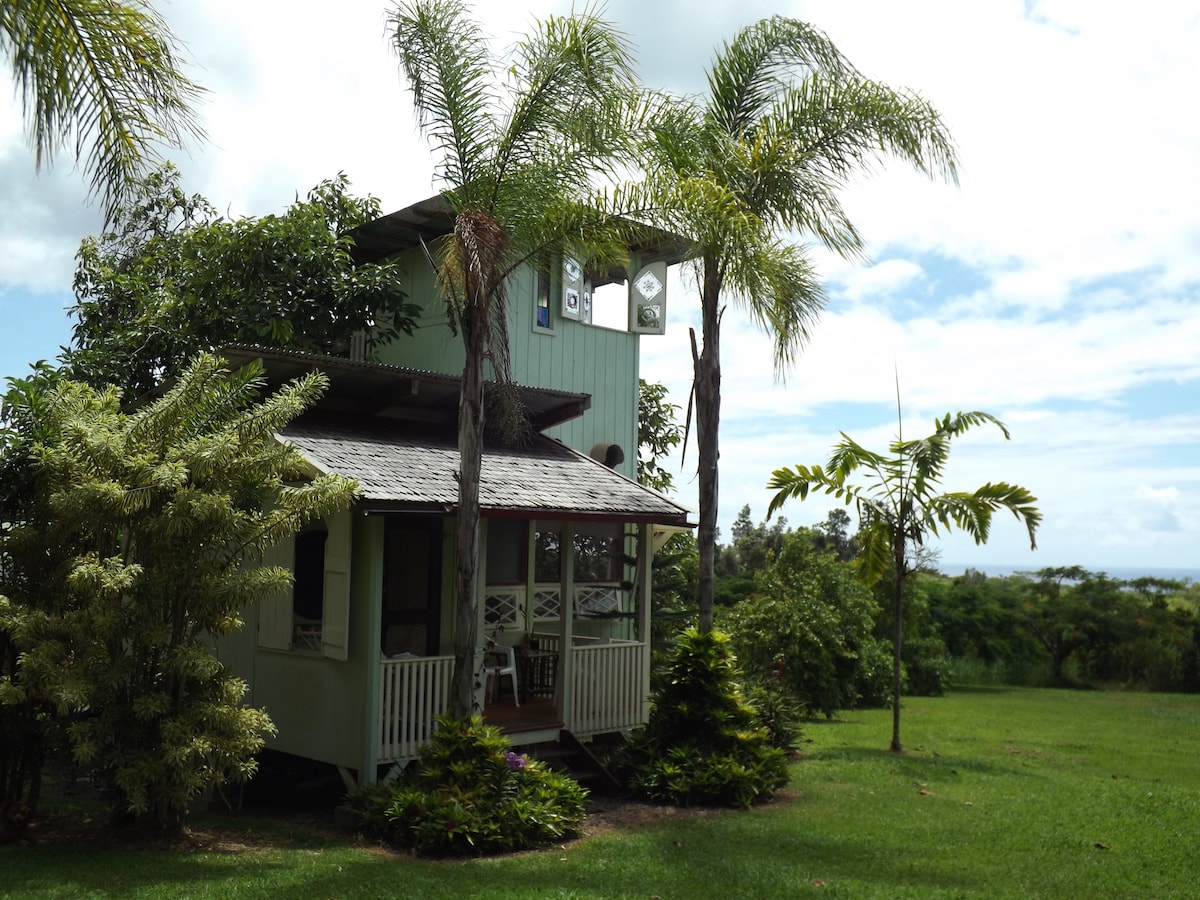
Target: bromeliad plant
(899,507)
(472,794)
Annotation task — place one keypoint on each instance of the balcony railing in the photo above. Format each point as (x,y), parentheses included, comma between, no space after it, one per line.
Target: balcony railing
(413,691)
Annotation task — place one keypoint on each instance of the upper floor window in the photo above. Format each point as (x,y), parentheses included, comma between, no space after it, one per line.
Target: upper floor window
(541,311)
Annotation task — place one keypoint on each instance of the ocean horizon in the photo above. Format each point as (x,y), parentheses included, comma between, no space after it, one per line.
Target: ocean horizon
(1119,573)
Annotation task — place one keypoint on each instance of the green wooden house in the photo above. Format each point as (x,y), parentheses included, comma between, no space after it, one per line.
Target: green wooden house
(354,663)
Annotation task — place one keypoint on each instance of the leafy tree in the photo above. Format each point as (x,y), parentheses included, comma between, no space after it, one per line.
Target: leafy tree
(1055,618)
(520,145)
(28,733)
(658,435)
(786,123)
(900,507)
(1153,590)
(136,550)
(834,534)
(979,617)
(104,76)
(809,626)
(752,549)
(171,278)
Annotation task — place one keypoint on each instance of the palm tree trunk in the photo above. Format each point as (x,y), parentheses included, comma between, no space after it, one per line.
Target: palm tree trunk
(707,374)
(470,452)
(897,635)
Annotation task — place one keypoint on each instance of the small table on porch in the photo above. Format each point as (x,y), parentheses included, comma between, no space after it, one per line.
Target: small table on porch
(536,670)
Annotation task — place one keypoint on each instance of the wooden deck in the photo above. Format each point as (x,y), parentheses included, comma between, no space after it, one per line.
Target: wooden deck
(535,714)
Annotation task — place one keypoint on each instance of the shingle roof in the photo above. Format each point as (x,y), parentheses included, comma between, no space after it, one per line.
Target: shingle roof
(406,465)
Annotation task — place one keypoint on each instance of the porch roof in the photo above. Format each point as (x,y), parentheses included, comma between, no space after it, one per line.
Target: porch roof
(377,389)
(409,466)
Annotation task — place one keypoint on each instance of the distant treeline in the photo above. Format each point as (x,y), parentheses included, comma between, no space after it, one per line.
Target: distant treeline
(802,621)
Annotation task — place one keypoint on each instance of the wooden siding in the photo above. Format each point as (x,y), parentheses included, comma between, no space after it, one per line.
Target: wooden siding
(570,356)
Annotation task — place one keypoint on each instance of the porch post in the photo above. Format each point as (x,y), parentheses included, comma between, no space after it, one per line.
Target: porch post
(480,619)
(368,562)
(564,683)
(530,578)
(645,586)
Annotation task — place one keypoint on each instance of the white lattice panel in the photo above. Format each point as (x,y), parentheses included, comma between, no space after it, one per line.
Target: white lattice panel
(502,606)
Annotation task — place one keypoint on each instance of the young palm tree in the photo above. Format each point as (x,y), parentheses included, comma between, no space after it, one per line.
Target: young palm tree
(104,76)
(520,146)
(786,123)
(899,507)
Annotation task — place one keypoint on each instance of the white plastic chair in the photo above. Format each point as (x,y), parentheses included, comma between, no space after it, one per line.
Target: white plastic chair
(507,666)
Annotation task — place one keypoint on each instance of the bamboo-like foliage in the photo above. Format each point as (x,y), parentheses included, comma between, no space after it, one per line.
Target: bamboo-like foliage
(156,521)
(522,144)
(786,123)
(103,79)
(900,506)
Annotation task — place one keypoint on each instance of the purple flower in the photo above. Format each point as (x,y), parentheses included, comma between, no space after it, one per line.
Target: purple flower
(515,760)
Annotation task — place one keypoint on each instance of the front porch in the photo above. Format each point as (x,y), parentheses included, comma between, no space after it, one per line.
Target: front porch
(605,690)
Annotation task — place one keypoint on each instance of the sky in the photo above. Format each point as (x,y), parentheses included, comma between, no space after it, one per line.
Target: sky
(1057,287)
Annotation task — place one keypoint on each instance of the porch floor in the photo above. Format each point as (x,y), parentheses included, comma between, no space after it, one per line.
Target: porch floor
(535,714)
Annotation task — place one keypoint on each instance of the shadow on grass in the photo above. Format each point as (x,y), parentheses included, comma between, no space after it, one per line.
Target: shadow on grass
(915,762)
(990,689)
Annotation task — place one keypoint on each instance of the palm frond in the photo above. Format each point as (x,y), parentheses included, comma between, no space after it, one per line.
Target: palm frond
(105,77)
(830,128)
(875,549)
(449,67)
(779,286)
(749,72)
(972,512)
(848,455)
(964,421)
(799,481)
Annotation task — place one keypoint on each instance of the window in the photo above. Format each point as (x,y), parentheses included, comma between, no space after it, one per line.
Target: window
(314,615)
(542,301)
(308,588)
(598,554)
(506,543)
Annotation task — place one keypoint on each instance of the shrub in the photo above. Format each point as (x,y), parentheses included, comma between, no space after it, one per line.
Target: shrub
(926,667)
(470,793)
(873,677)
(777,712)
(703,744)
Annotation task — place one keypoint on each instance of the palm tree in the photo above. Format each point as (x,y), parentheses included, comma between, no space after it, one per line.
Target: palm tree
(786,122)
(899,507)
(101,75)
(520,145)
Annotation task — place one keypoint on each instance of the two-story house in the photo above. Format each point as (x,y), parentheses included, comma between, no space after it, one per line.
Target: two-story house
(353,664)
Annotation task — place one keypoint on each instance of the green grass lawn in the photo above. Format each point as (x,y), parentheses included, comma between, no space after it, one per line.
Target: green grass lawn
(1002,793)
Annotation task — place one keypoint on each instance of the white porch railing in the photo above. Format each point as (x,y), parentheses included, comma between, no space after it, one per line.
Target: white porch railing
(607,690)
(412,693)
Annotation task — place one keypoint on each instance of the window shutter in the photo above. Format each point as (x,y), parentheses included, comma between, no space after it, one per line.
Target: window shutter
(275,612)
(335,624)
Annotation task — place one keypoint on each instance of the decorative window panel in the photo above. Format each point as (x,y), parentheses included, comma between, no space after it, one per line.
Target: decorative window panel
(596,600)
(546,604)
(502,607)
